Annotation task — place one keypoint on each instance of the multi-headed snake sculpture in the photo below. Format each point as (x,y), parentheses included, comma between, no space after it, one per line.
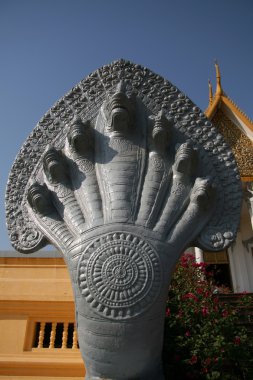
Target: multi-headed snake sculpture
(122,175)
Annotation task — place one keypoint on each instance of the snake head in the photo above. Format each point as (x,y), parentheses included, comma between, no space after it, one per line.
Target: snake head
(119,110)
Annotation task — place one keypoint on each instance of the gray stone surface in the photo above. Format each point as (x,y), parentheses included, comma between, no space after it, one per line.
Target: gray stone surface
(122,175)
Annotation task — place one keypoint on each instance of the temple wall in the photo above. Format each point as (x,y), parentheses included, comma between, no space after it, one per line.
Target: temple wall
(33,292)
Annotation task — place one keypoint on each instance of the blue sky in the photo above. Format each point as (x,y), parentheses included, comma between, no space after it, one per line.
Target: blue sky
(48,46)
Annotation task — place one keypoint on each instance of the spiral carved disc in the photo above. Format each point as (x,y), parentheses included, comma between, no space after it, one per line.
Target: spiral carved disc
(120,275)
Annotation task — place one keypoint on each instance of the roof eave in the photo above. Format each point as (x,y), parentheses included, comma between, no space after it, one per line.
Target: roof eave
(213,107)
(236,110)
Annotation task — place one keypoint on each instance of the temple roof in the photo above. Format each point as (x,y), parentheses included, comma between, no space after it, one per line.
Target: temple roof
(234,125)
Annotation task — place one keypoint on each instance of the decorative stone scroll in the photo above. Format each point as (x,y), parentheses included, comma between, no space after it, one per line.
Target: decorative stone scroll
(121,175)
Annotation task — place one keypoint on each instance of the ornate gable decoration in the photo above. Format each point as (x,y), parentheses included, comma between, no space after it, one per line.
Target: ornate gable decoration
(173,121)
(234,125)
(240,144)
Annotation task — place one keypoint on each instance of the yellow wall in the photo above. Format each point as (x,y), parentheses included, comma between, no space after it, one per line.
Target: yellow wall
(34,290)
(12,328)
(34,279)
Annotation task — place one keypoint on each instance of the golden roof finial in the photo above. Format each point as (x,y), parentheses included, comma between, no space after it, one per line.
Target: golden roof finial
(218,79)
(210,91)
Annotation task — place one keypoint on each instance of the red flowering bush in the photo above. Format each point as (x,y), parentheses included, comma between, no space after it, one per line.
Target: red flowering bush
(202,337)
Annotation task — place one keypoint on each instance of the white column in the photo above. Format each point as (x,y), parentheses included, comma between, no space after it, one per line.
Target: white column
(249,264)
(238,266)
(248,196)
(199,255)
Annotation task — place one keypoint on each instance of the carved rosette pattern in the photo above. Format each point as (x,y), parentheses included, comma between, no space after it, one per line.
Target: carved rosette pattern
(156,94)
(120,275)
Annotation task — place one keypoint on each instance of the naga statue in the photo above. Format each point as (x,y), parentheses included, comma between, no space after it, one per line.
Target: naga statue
(122,175)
